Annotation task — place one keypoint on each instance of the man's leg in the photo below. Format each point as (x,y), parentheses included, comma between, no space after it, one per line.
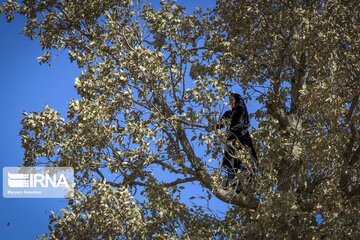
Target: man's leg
(236,166)
(231,174)
(246,141)
(229,162)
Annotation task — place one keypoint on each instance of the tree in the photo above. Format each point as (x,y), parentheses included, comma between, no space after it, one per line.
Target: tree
(150,77)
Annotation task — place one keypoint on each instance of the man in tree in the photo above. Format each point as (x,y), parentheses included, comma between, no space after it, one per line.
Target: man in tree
(237,121)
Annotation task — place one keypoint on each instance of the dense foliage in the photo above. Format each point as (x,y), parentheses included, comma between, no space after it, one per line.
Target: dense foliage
(151,77)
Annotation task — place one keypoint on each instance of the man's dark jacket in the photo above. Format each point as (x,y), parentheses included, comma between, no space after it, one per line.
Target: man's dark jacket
(237,122)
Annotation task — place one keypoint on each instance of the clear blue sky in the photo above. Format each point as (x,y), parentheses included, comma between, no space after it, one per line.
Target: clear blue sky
(25,85)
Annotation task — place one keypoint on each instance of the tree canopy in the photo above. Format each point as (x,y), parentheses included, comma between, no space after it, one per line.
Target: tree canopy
(152,78)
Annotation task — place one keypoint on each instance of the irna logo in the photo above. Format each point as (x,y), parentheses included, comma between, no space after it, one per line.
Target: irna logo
(17,180)
(38,182)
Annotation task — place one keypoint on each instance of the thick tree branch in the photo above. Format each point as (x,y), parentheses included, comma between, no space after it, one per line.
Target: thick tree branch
(278,113)
(304,199)
(179,181)
(297,84)
(183,171)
